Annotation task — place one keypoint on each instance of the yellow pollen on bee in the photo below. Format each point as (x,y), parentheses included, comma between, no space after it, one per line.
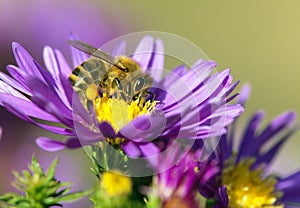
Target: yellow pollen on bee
(92,92)
(249,188)
(116,184)
(118,112)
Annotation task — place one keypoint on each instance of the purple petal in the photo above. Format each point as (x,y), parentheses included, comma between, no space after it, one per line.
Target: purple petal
(143,52)
(51,62)
(107,130)
(249,137)
(7,89)
(55,129)
(50,145)
(144,127)
(50,102)
(47,77)
(225,147)
(216,84)
(13,83)
(80,114)
(24,60)
(73,143)
(156,65)
(19,75)
(244,94)
(119,49)
(222,198)
(87,134)
(195,92)
(252,143)
(77,56)
(66,92)
(278,124)
(229,90)
(26,107)
(172,76)
(131,149)
(56,63)
(290,188)
(64,67)
(199,72)
(149,149)
(203,67)
(58,73)
(267,157)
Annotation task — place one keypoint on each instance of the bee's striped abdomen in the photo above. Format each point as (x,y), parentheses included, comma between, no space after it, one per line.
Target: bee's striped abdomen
(86,79)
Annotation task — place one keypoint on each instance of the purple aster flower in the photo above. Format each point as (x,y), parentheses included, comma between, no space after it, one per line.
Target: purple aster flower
(245,172)
(221,198)
(178,186)
(191,104)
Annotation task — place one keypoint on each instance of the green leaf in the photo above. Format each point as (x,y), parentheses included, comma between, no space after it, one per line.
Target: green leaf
(75,195)
(51,170)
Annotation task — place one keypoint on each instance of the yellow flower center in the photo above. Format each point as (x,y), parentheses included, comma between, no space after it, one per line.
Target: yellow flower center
(118,112)
(248,188)
(116,184)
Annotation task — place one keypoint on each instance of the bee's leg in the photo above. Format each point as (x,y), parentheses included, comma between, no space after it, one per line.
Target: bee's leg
(141,97)
(89,106)
(128,92)
(151,94)
(116,86)
(119,91)
(116,83)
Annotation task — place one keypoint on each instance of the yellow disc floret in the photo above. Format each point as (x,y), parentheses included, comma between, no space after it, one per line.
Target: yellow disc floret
(118,112)
(116,184)
(249,188)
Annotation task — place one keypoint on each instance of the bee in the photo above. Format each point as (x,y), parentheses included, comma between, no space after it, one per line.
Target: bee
(103,74)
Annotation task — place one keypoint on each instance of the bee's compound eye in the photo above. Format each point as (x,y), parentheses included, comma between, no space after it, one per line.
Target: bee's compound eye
(139,84)
(128,89)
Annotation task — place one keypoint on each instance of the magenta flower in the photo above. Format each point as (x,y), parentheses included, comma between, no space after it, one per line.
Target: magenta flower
(190,104)
(179,177)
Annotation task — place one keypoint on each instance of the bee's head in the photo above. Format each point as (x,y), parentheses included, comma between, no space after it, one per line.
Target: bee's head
(127,64)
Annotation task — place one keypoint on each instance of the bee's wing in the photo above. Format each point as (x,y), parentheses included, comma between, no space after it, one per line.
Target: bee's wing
(92,51)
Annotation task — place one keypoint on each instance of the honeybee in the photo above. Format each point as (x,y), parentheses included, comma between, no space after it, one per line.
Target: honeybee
(103,74)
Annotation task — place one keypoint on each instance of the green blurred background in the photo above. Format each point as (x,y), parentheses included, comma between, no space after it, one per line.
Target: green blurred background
(258,40)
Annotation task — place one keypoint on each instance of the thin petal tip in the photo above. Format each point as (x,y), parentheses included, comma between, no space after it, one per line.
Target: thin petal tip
(49,144)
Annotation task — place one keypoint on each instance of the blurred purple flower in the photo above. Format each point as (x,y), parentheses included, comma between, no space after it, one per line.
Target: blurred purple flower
(36,23)
(221,198)
(245,172)
(179,185)
(200,110)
